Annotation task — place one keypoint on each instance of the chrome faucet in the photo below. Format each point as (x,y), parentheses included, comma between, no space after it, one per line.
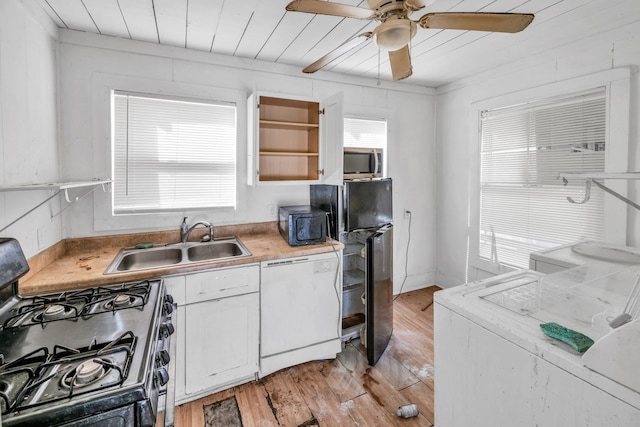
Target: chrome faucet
(186,231)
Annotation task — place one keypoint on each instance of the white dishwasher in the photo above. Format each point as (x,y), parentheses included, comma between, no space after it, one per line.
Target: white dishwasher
(300,310)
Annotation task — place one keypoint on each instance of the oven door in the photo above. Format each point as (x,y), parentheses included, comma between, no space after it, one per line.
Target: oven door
(362,163)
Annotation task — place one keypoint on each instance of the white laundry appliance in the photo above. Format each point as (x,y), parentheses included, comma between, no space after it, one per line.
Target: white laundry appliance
(579,253)
(495,367)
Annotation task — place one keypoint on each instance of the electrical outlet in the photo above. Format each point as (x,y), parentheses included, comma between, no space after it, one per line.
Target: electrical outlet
(273,210)
(407,213)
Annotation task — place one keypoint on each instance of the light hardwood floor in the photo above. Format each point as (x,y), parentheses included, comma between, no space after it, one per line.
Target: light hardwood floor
(345,391)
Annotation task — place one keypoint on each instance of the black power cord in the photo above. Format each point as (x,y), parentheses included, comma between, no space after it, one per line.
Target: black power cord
(335,281)
(406,258)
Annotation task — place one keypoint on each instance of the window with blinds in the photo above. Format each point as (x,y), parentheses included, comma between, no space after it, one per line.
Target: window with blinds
(172,155)
(365,133)
(523,204)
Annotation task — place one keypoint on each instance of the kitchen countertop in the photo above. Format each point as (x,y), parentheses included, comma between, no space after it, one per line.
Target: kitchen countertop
(80,263)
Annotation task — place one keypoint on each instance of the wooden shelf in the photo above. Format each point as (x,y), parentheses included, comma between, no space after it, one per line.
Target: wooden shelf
(288,140)
(284,125)
(284,178)
(287,153)
(54,185)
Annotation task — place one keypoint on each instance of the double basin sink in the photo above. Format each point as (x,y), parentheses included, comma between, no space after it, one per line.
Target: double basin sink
(175,254)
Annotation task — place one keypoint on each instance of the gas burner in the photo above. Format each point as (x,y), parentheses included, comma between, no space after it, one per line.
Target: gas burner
(122,300)
(118,297)
(53,312)
(86,373)
(119,301)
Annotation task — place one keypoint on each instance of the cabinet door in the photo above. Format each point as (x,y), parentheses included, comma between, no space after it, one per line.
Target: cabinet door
(252,139)
(222,338)
(331,140)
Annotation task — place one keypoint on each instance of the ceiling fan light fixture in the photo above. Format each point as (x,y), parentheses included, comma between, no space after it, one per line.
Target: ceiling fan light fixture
(394,34)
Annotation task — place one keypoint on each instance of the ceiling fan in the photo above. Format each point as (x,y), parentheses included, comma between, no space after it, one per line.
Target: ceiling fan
(396,29)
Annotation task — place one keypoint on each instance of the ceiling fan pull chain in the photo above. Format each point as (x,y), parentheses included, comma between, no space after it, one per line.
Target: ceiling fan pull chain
(378,65)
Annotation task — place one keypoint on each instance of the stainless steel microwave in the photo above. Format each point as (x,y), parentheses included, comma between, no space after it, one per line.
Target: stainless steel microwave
(363,163)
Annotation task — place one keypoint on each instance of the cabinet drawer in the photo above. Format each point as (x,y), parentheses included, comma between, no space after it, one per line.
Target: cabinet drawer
(222,283)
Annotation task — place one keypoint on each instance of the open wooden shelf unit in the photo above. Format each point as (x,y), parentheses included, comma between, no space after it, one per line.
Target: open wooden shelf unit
(289,139)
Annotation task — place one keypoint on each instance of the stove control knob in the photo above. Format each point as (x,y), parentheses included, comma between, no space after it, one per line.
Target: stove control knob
(163,358)
(168,298)
(167,308)
(162,376)
(167,329)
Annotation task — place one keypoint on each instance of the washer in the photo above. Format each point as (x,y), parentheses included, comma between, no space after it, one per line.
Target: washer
(495,367)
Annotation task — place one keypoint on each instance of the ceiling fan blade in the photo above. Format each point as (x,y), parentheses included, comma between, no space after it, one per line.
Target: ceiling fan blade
(477,21)
(337,52)
(400,63)
(327,8)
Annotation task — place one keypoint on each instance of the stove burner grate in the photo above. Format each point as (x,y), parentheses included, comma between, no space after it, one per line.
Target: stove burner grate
(73,305)
(45,377)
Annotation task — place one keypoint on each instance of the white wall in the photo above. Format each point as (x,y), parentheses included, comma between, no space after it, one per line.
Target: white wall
(603,51)
(91,65)
(28,124)
(54,126)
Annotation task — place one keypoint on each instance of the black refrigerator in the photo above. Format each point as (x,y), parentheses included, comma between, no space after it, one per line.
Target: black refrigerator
(360,215)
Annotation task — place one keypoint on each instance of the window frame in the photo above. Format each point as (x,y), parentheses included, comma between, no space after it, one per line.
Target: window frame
(103,86)
(385,150)
(145,211)
(617,86)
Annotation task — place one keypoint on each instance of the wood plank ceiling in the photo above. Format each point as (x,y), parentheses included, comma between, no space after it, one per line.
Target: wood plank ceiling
(263,30)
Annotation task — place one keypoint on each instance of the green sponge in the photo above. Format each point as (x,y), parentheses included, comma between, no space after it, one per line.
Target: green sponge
(578,341)
(144,245)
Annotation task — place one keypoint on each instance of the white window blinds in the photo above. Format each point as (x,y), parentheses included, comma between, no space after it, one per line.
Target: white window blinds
(523,205)
(365,133)
(172,155)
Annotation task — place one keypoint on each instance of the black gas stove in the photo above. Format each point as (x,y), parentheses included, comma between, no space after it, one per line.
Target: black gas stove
(96,356)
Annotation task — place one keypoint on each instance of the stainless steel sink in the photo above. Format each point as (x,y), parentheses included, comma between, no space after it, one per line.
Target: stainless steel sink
(221,250)
(142,259)
(174,254)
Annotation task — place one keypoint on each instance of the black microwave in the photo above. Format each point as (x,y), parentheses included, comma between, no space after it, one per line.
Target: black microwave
(362,163)
(302,225)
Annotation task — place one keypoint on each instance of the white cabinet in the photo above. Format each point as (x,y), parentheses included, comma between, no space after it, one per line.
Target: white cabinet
(218,329)
(222,338)
(300,310)
(294,139)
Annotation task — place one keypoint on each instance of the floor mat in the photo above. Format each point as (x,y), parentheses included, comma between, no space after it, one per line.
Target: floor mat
(224,413)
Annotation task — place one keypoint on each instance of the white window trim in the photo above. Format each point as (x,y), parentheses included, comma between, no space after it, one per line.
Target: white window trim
(375,113)
(145,97)
(385,150)
(617,84)
(102,88)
